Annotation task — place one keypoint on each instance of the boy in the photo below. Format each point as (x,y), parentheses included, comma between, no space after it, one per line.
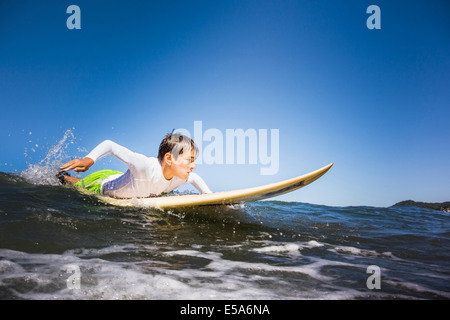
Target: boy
(146,176)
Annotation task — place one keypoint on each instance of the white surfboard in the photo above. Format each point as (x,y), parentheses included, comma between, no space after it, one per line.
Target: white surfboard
(221,198)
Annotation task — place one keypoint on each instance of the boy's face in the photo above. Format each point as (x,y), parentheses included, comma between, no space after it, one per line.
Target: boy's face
(183,165)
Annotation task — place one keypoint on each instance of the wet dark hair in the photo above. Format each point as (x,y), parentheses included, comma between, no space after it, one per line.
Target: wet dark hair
(176,144)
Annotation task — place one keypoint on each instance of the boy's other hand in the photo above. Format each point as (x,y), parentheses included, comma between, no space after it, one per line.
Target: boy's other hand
(78,165)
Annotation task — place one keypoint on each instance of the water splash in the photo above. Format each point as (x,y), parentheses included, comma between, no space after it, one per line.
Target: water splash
(43,172)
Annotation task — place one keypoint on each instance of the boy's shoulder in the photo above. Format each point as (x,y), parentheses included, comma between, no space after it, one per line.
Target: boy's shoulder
(153,162)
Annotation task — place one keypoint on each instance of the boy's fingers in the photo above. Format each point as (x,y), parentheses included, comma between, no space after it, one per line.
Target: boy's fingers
(69,165)
(64,167)
(76,164)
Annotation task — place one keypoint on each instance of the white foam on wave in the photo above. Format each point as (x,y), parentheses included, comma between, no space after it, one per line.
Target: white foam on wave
(358,252)
(291,248)
(98,252)
(45,276)
(414,287)
(245,279)
(172,275)
(294,249)
(314,243)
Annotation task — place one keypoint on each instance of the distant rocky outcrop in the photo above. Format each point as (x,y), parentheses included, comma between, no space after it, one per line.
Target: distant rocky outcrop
(441,206)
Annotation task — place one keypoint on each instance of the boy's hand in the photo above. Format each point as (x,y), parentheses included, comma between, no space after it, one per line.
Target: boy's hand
(78,165)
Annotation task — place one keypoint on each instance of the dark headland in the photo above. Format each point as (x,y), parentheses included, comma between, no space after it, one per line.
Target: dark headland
(441,206)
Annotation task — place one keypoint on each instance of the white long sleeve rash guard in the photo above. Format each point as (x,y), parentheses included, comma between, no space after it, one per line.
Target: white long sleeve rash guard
(144,177)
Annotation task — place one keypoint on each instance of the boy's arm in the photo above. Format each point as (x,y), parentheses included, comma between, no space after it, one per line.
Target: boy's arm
(131,158)
(198,183)
(110,147)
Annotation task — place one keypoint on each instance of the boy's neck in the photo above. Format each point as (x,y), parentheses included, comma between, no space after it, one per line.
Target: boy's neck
(166,171)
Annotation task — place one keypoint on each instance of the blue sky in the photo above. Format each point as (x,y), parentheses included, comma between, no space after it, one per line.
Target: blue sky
(374,102)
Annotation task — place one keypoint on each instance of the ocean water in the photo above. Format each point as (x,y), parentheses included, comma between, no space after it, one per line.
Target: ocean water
(57,243)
